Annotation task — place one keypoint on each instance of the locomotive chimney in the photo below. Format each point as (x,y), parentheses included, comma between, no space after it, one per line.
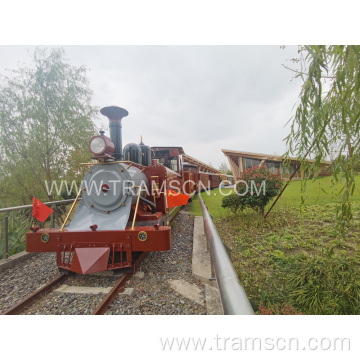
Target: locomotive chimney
(115,114)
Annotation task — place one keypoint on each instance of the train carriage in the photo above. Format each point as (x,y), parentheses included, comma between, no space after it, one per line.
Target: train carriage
(215,180)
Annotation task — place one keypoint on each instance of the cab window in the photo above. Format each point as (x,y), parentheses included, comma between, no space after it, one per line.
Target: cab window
(162,161)
(173,164)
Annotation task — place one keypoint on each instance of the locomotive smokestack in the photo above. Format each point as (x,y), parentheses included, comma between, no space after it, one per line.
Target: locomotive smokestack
(115,114)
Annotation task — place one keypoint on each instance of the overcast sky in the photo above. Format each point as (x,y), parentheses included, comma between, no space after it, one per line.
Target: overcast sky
(200,98)
(203,98)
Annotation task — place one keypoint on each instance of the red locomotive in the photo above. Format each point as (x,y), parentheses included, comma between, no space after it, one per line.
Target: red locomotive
(124,203)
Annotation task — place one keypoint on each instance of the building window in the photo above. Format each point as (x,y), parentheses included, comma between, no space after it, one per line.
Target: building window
(250,163)
(273,166)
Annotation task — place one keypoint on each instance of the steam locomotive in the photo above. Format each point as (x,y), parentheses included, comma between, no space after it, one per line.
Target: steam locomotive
(124,206)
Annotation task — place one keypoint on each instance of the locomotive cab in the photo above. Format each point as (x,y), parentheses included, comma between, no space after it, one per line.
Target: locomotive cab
(171,157)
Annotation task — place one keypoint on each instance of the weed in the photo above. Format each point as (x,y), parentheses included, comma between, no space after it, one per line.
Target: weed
(18,225)
(286,309)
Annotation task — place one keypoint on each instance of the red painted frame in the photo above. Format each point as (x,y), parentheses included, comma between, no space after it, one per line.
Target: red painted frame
(64,243)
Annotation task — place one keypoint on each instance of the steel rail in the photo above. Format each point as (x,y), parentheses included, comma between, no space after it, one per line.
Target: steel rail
(233,296)
(110,297)
(32,298)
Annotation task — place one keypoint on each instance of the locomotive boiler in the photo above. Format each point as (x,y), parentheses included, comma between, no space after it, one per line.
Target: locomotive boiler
(123,208)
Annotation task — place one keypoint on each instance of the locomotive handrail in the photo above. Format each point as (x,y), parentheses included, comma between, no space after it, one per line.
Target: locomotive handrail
(233,296)
(137,204)
(71,209)
(22,207)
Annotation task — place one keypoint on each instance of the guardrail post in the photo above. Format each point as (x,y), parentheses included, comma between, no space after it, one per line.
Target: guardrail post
(6,236)
(213,275)
(53,216)
(212,270)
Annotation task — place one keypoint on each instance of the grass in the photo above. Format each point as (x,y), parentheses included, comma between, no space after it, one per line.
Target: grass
(312,192)
(213,202)
(294,260)
(320,191)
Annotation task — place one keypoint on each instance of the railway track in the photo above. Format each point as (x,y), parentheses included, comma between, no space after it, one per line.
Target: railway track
(100,309)
(110,297)
(55,283)
(31,299)
(36,295)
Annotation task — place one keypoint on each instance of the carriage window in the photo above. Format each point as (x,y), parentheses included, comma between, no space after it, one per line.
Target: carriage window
(173,165)
(161,161)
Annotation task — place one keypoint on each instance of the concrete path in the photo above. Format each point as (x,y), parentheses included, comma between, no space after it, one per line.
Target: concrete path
(187,290)
(201,267)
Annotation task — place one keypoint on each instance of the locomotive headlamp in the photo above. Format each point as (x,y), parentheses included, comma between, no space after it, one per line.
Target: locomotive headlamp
(97,145)
(101,145)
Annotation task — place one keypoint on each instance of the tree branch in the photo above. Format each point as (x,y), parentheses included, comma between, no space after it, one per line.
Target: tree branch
(302,73)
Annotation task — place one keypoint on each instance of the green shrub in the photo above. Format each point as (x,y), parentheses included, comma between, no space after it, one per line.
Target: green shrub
(257,186)
(232,202)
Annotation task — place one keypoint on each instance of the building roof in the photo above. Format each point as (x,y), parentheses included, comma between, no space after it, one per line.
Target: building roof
(202,166)
(236,153)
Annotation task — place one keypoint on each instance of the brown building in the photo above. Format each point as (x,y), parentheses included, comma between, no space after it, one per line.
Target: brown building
(240,161)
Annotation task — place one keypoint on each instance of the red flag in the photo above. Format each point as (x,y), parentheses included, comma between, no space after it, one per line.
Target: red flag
(40,211)
(176,199)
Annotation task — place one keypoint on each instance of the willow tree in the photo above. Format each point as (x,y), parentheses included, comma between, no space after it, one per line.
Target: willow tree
(45,124)
(327,118)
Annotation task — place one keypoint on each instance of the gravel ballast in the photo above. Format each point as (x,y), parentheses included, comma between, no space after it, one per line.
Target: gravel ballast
(24,278)
(152,293)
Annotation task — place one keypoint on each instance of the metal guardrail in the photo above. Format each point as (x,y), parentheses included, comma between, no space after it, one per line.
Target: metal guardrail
(23,207)
(233,296)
